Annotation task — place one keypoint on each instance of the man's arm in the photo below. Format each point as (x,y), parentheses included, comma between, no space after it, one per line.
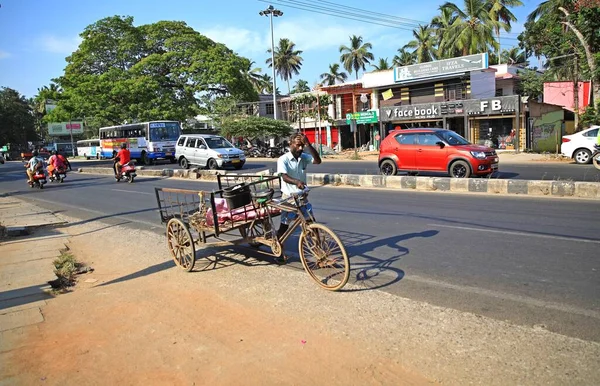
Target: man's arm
(312,151)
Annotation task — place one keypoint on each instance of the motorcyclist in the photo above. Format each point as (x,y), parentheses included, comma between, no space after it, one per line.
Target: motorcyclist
(64,160)
(35,163)
(56,162)
(122,158)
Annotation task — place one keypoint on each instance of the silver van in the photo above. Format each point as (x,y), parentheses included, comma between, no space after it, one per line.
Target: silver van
(207,151)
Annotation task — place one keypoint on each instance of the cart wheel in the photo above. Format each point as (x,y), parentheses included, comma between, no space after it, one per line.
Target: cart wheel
(181,244)
(259,229)
(324,257)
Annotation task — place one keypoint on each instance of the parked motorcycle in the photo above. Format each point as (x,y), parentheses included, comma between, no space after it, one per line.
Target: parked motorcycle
(127,172)
(39,180)
(58,175)
(596,157)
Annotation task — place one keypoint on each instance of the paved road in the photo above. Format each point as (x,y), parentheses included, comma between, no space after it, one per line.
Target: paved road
(521,171)
(526,260)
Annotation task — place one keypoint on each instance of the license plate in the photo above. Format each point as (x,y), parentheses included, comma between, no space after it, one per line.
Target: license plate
(235,161)
(168,154)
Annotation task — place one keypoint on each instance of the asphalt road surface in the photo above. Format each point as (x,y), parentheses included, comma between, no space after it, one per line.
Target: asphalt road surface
(520,171)
(530,261)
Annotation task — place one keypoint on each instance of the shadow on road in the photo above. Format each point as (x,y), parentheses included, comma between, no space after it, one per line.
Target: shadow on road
(369,270)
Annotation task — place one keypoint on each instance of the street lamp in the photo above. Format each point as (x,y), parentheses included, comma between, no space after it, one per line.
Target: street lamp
(270,12)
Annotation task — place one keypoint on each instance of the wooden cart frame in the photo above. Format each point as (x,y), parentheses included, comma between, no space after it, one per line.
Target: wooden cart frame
(193,217)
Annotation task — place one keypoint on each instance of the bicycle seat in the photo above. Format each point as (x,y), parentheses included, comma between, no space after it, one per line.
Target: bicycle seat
(263,195)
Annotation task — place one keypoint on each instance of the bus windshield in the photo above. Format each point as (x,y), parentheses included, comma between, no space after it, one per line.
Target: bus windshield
(164,131)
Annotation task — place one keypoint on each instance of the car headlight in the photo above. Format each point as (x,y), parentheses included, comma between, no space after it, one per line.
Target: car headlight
(478,154)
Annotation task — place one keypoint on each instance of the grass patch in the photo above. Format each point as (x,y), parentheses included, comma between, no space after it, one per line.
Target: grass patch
(355,156)
(65,269)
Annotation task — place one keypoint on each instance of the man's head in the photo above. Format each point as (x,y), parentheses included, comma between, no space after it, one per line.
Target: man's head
(297,144)
(53,152)
(35,153)
(124,146)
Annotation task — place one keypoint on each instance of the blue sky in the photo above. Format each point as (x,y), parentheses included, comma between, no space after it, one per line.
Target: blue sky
(37,35)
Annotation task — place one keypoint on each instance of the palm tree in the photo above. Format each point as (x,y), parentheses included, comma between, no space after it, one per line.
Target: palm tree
(473,29)
(550,7)
(254,76)
(287,60)
(499,12)
(403,58)
(382,64)
(333,76)
(513,55)
(424,44)
(300,86)
(441,25)
(357,56)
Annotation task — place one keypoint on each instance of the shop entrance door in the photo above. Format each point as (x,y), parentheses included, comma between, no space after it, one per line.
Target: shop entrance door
(457,125)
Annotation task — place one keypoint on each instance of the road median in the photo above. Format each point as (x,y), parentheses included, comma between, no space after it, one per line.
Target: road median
(537,188)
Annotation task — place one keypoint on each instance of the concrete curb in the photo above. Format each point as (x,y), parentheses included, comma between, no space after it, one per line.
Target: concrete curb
(442,184)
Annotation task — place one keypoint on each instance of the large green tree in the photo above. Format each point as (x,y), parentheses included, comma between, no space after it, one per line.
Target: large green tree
(382,64)
(300,86)
(334,75)
(287,60)
(357,55)
(122,72)
(442,24)
(568,36)
(423,44)
(500,12)
(254,127)
(17,119)
(472,31)
(404,58)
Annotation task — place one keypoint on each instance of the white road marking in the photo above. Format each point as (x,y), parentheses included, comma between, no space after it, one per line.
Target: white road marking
(131,191)
(103,214)
(500,295)
(523,233)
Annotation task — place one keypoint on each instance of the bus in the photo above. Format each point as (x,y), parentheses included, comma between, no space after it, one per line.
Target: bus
(147,141)
(89,148)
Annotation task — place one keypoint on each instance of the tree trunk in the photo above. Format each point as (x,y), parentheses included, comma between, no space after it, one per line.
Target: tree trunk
(576,93)
(588,56)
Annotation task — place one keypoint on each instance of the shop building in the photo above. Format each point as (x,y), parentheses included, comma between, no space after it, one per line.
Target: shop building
(458,94)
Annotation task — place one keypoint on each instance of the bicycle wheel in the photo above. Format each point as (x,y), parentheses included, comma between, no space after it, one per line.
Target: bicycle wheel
(324,257)
(181,244)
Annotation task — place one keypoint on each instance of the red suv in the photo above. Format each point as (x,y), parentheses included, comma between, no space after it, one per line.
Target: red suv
(435,150)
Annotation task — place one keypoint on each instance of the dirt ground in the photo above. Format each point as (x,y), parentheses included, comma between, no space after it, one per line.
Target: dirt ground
(239,319)
(143,321)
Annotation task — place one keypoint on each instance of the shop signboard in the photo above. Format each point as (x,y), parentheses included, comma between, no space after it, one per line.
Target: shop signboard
(492,106)
(65,128)
(362,117)
(441,67)
(438,110)
(421,111)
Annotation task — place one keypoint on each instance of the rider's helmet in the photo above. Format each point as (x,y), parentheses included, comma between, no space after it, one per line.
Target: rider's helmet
(124,146)
(35,153)
(53,152)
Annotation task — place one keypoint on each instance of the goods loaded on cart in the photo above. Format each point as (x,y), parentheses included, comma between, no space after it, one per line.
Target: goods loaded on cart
(246,205)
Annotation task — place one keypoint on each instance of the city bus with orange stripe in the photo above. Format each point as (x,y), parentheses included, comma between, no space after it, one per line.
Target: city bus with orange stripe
(147,141)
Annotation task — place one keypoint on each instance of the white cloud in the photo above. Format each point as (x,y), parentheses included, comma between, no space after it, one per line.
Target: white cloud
(4,54)
(59,45)
(240,40)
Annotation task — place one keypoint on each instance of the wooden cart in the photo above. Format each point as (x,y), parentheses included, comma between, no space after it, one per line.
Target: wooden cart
(247,204)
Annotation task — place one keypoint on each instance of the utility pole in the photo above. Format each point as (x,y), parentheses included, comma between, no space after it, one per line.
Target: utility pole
(319,120)
(355,126)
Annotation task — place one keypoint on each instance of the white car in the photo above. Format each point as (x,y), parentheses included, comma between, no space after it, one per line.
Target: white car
(210,151)
(580,146)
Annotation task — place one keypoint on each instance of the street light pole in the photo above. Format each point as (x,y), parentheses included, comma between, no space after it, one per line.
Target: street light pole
(271,11)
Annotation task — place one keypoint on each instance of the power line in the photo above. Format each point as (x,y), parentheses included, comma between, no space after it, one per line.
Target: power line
(336,13)
(363,11)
